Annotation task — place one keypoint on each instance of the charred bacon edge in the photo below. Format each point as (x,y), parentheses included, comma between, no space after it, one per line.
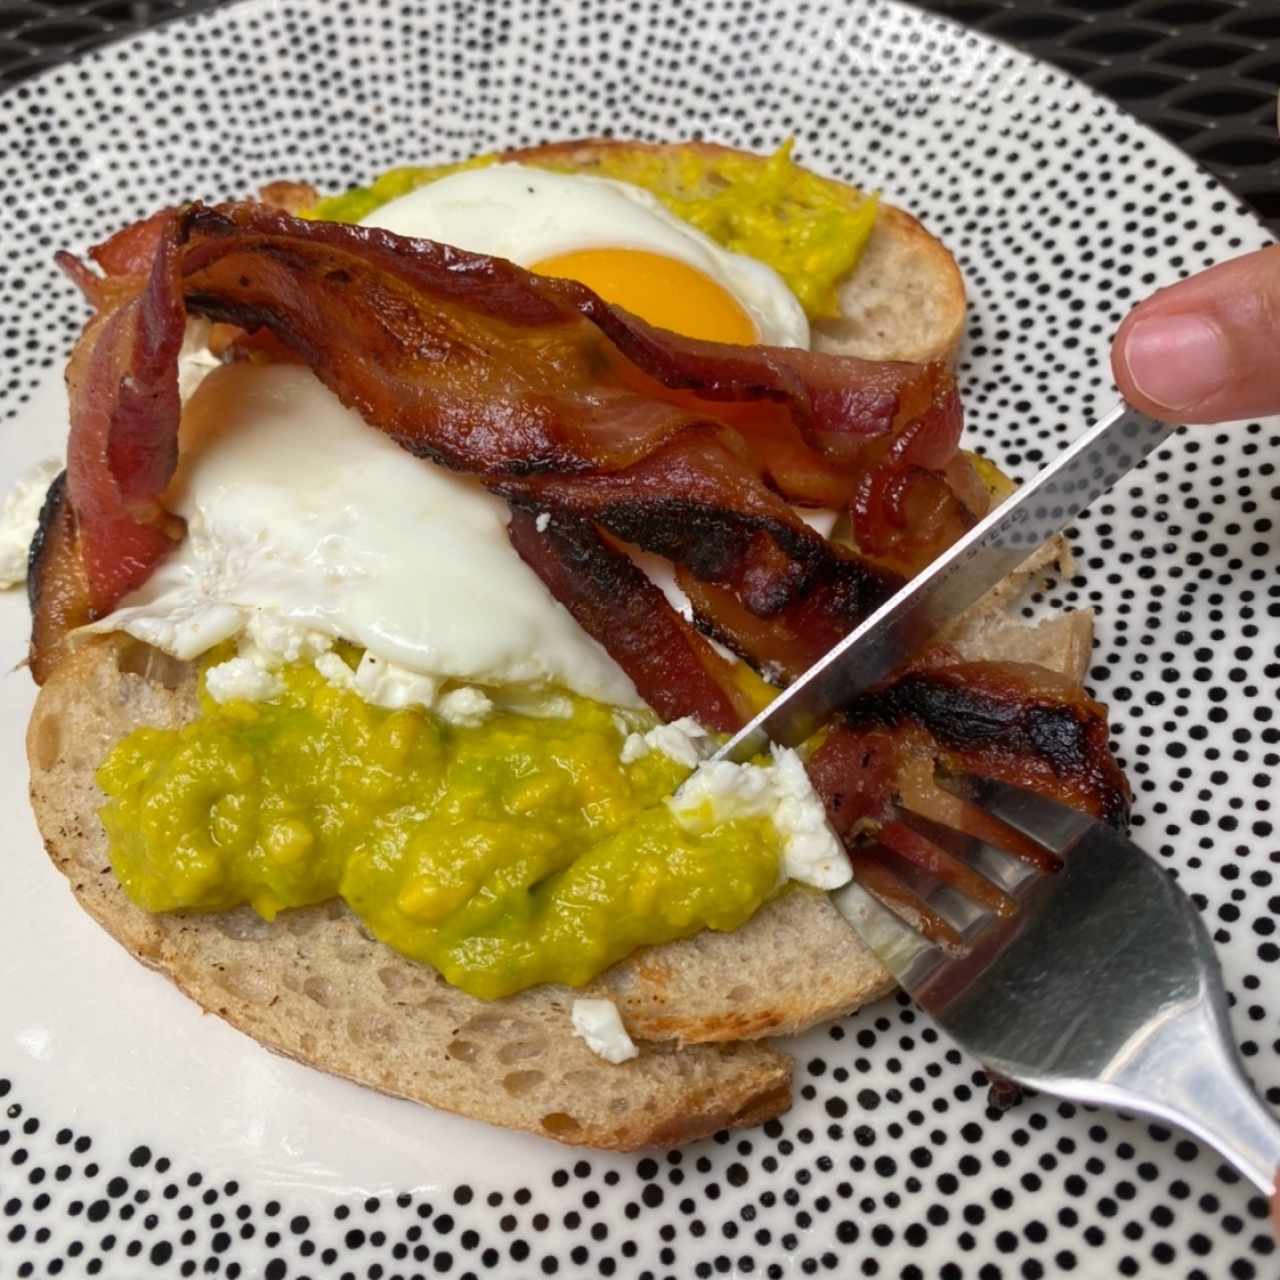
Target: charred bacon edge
(57,588)
(674,668)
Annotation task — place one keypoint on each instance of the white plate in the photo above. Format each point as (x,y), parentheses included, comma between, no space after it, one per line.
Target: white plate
(155,1140)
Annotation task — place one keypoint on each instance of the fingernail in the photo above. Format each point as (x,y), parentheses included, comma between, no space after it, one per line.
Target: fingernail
(1177,361)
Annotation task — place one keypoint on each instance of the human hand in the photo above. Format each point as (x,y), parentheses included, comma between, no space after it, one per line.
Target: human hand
(1208,348)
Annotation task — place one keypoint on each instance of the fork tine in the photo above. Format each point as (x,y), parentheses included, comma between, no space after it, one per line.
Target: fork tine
(942,805)
(1005,870)
(960,875)
(1054,825)
(896,943)
(872,872)
(929,893)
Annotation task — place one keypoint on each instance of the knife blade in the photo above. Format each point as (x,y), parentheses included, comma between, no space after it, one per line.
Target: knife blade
(988,553)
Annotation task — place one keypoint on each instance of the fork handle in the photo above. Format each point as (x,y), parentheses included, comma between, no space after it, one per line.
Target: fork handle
(1187,1074)
(1219,1106)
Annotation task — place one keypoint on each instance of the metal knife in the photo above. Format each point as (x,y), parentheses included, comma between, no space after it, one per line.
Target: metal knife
(990,551)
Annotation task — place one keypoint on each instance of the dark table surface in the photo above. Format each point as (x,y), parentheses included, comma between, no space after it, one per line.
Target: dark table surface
(1203,72)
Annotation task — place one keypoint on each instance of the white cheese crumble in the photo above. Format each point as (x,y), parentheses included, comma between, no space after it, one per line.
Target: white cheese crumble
(385,684)
(335,671)
(812,853)
(266,643)
(599,1024)
(535,703)
(684,740)
(464,707)
(242,678)
(721,791)
(543,521)
(277,639)
(269,640)
(388,684)
(19,517)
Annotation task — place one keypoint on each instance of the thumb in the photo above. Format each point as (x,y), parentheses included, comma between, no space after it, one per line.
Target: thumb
(1207,349)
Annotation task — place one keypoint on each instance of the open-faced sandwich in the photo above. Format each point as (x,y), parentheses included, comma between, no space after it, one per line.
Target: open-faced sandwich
(414,547)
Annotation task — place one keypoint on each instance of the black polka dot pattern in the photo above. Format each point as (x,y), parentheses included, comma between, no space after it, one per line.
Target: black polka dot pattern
(899,1159)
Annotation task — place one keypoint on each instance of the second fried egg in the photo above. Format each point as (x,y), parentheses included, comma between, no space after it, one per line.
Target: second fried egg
(615,238)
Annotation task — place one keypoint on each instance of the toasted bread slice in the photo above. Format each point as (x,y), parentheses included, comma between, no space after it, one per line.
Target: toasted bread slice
(904,300)
(314,986)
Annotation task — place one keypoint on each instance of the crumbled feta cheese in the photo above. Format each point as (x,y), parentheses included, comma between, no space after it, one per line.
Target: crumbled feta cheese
(388,684)
(721,791)
(19,517)
(465,707)
(269,641)
(684,740)
(599,1024)
(266,643)
(543,521)
(811,850)
(242,678)
(279,639)
(537,704)
(627,722)
(335,671)
(379,682)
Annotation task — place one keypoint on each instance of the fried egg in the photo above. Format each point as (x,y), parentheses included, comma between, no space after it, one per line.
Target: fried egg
(291,548)
(615,238)
(332,560)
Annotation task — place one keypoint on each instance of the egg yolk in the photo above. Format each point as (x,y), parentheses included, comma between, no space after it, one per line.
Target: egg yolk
(664,291)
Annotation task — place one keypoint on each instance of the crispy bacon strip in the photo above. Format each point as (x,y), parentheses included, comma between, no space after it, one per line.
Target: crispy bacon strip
(841,593)
(122,383)
(703,508)
(601,415)
(828,401)
(674,669)
(1014,722)
(481,366)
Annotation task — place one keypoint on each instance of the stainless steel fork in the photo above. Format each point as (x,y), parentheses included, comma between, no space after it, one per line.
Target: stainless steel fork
(1102,987)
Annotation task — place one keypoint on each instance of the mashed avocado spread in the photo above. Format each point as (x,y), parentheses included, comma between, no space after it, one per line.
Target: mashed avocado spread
(810,230)
(516,852)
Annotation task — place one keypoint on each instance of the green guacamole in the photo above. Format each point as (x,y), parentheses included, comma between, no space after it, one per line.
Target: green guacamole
(810,230)
(517,852)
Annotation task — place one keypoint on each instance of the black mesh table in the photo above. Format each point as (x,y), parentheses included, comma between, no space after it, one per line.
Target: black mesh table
(1203,72)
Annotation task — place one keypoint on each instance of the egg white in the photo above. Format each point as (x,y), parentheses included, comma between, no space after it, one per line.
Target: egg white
(528,215)
(297,508)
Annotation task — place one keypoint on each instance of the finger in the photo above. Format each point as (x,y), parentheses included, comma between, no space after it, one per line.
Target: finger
(1207,349)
